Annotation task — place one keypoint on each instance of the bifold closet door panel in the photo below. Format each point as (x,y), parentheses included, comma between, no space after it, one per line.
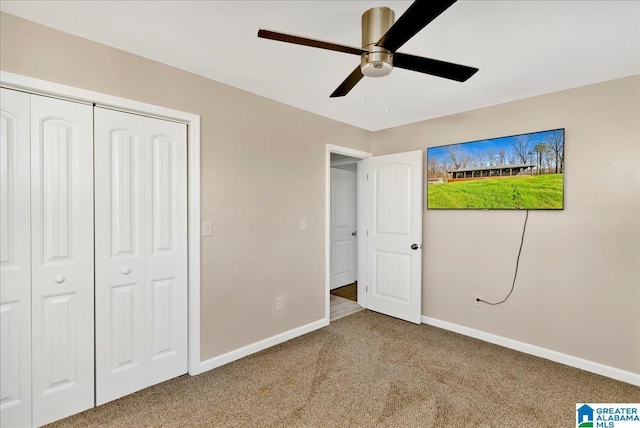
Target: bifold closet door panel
(166,236)
(141,252)
(62,258)
(15,260)
(120,254)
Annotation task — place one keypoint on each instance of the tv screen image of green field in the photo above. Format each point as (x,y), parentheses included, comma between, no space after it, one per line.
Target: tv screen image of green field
(519,172)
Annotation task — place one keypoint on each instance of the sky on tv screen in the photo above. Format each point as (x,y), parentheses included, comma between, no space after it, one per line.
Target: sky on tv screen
(481,146)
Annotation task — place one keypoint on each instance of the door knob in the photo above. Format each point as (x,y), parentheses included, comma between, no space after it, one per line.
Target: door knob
(60,279)
(125,271)
(414,247)
(354,233)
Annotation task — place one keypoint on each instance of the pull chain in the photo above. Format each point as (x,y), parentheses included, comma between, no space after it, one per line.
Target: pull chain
(365,91)
(386,102)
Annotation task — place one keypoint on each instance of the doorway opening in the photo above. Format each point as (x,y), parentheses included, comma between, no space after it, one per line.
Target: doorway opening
(387,241)
(345,296)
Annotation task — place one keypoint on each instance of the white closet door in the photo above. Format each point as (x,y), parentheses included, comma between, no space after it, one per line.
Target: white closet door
(141,252)
(15,260)
(166,244)
(62,258)
(120,254)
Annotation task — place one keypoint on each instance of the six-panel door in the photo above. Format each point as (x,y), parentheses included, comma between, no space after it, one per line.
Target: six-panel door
(141,252)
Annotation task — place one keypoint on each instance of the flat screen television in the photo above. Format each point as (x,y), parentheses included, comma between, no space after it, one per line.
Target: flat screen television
(518,172)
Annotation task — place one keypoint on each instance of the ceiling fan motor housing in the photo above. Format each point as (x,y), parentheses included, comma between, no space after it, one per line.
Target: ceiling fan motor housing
(378,62)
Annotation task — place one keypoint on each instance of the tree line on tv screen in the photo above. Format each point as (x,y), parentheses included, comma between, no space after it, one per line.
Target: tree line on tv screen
(546,155)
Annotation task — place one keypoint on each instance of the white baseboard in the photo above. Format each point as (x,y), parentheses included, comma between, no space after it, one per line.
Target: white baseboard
(236,354)
(558,357)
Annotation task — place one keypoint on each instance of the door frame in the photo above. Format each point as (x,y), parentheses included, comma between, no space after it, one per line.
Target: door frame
(56,90)
(360,204)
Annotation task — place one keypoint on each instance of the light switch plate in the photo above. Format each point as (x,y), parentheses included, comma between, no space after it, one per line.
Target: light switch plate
(303,225)
(207,228)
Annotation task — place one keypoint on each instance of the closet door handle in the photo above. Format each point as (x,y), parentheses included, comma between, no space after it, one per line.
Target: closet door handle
(59,279)
(125,271)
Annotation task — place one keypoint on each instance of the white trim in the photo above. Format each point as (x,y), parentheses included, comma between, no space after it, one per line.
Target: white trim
(363,269)
(327,214)
(193,187)
(51,89)
(346,151)
(338,162)
(558,357)
(236,354)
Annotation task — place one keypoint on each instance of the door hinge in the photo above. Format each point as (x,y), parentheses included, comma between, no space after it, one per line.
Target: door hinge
(367,233)
(366,288)
(367,176)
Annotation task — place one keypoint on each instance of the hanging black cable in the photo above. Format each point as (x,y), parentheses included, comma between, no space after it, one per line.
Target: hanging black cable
(515,275)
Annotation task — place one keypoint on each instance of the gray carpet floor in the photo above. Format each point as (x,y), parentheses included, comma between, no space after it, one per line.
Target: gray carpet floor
(369,370)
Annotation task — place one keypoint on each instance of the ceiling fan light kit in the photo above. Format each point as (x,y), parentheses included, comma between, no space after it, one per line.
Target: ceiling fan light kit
(381,38)
(377,61)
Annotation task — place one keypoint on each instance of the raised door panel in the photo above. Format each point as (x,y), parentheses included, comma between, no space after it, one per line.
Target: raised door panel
(120,254)
(62,258)
(166,280)
(10,355)
(392,211)
(59,342)
(15,260)
(392,275)
(394,195)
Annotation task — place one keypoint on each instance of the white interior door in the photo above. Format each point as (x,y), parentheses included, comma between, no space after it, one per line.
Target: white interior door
(343,228)
(394,228)
(141,252)
(15,260)
(166,249)
(62,258)
(120,254)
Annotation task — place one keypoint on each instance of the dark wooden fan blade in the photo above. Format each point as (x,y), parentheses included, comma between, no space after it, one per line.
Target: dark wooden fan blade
(419,14)
(448,70)
(297,40)
(348,83)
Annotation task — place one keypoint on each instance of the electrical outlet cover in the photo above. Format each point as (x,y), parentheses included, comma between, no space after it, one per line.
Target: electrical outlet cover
(207,228)
(475,301)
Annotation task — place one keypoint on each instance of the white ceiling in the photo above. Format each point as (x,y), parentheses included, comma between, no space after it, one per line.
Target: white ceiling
(522,48)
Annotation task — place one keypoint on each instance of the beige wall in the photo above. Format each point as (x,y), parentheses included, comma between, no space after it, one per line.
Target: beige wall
(578,289)
(262,168)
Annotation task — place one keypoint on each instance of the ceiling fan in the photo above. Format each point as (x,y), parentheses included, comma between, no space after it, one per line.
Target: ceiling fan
(381,38)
